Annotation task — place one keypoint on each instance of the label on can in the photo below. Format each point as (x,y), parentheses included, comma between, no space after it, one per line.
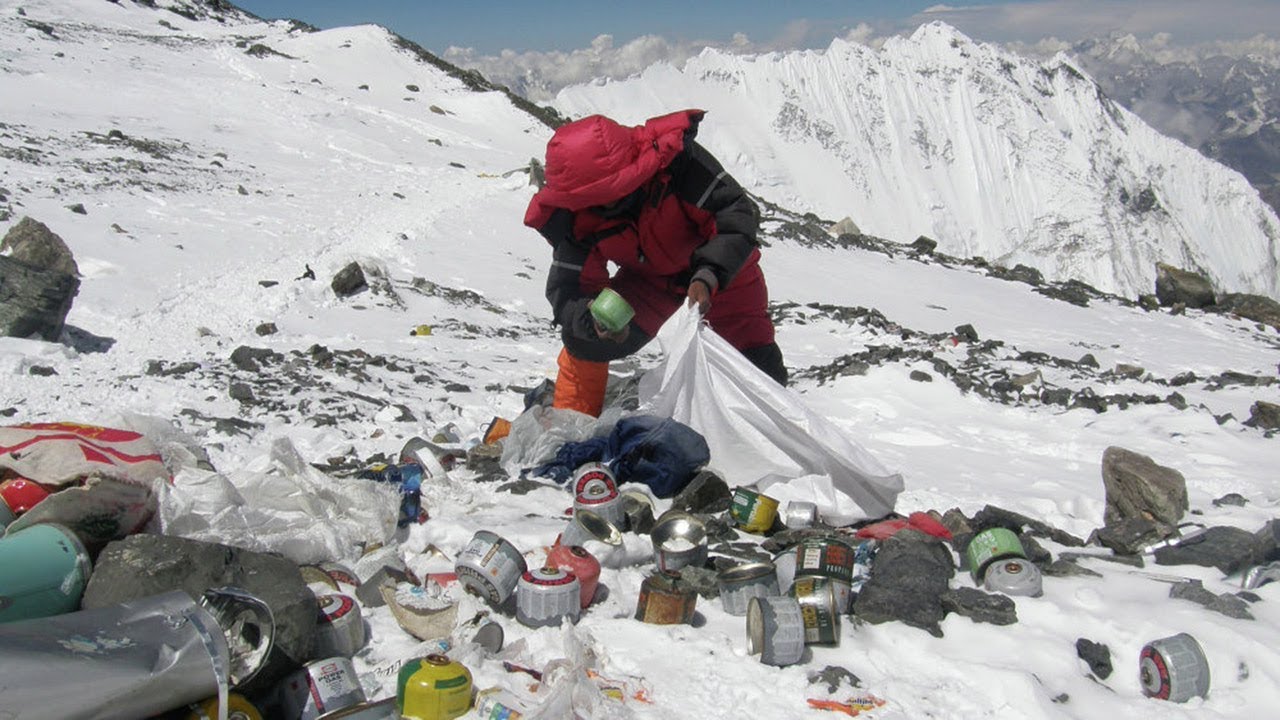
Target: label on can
(490,566)
(818,610)
(752,511)
(321,687)
(497,703)
(775,630)
(826,557)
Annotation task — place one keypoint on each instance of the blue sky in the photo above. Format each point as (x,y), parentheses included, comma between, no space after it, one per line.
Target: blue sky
(490,26)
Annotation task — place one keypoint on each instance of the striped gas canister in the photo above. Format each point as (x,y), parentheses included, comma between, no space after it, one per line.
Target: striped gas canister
(579,561)
(490,567)
(775,630)
(1173,669)
(339,627)
(546,596)
(740,583)
(819,609)
(320,687)
(753,511)
(433,688)
(595,489)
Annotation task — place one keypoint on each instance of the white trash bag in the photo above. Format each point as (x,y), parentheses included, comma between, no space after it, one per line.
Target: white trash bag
(759,432)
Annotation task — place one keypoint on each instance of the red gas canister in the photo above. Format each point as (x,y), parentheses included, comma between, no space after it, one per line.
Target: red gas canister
(578,561)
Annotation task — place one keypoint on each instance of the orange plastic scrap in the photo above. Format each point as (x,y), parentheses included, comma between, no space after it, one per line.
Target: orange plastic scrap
(853,707)
(619,690)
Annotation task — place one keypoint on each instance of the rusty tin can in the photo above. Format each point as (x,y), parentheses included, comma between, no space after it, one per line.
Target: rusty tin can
(819,610)
(775,630)
(490,567)
(320,687)
(740,583)
(664,600)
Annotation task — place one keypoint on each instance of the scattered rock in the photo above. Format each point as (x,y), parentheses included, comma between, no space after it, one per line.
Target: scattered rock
(924,245)
(523,486)
(992,516)
(707,492)
(349,280)
(1226,603)
(980,606)
(1229,549)
(486,462)
(41,371)
(267,328)
(1269,541)
(1230,499)
(1088,360)
(78,208)
(1097,655)
(1067,567)
(1250,307)
(921,376)
(846,226)
(834,676)
(33,243)
(145,564)
(967,333)
(910,575)
(252,359)
(241,392)
(1131,372)
(1137,487)
(1130,535)
(1182,287)
(537,173)
(1264,415)
(412,88)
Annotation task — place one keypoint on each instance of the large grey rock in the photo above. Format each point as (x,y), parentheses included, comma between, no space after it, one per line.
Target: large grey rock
(910,574)
(707,492)
(32,242)
(1130,535)
(34,302)
(349,280)
(1229,549)
(144,565)
(1175,286)
(1257,308)
(980,606)
(1137,487)
(1264,415)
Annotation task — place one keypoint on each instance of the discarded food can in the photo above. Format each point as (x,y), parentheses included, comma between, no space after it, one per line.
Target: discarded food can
(433,688)
(1174,669)
(753,511)
(21,494)
(490,567)
(587,525)
(800,514)
(498,703)
(43,571)
(546,596)
(825,557)
(320,687)
(339,627)
(679,540)
(818,609)
(611,310)
(664,600)
(1014,576)
(579,561)
(990,545)
(148,656)
(238,708)
(740,583)
(595,489)
(775,630)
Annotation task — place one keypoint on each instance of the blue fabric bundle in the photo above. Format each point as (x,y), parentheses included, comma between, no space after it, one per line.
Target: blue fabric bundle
(660,452)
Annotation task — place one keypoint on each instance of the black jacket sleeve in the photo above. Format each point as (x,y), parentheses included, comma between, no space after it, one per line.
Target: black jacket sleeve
(700,180)
(569,307)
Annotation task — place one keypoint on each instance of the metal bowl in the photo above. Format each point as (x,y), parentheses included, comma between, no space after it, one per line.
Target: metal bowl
(679,540)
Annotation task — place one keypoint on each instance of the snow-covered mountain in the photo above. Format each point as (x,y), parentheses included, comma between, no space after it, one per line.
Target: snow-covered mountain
(986,152)
(211,173)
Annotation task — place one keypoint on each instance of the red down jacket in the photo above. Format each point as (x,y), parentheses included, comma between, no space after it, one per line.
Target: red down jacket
(681,214)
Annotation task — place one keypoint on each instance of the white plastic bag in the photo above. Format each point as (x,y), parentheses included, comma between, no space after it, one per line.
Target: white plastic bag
(758,431)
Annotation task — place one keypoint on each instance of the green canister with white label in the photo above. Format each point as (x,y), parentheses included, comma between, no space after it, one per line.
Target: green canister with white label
(990,545)
(43,572)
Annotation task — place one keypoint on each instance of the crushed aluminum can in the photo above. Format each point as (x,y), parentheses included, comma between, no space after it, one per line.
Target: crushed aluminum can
(679,540)
(320,687)
(112,653)
(775,630)
(740,583)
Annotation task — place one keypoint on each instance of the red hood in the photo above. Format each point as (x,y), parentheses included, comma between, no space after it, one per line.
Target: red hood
(594,161)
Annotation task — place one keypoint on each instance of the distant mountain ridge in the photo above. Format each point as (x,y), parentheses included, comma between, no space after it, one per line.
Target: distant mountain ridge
(985,151)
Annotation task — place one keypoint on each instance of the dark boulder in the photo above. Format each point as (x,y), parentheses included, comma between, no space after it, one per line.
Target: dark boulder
(910,574)
(1182,287)
(1136,487)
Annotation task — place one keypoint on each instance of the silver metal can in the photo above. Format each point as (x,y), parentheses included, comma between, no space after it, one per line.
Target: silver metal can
(740,583)
(595,489)
(679,540)
(339,626)
(1014,576)
(818,608)
(775,630)
(1174,669)
(320,687)
(546,596)
(799,514)
(490,567)
(587,525)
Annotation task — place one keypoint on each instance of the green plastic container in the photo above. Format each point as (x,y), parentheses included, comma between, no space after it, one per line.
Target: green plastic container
(990,545)
(611,310)
(43,572)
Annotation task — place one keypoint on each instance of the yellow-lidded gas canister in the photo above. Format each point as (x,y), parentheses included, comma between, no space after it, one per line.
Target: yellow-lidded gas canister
(237,709)
(433,688)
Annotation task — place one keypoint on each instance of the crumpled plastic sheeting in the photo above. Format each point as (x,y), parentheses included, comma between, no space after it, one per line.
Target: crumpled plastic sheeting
(537,434)
(289,508)
(758,431)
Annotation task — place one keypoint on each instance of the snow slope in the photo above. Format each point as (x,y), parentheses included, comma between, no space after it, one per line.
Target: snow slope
(333,173)
(986,152)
